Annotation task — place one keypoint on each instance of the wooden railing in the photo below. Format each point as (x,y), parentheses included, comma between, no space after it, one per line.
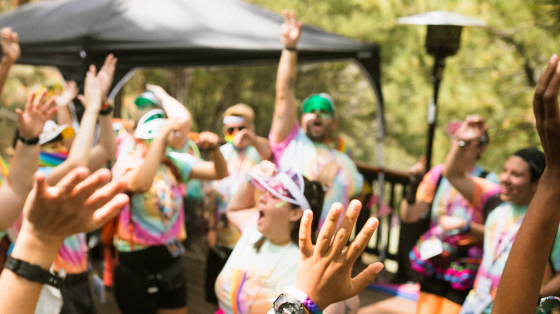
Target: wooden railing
(386,240)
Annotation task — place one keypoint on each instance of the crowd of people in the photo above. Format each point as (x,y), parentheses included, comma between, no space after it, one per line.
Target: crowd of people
(280,211)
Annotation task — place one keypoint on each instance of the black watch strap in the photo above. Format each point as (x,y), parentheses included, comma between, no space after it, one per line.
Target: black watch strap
(32,272)
(28,141)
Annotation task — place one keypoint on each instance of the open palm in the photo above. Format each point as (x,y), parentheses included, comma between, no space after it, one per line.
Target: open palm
(36,112)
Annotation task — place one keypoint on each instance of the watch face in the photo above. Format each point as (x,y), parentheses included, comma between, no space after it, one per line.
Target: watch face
(288,308)
(287,305)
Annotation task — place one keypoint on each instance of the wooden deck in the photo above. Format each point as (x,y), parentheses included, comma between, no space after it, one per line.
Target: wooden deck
(371,302)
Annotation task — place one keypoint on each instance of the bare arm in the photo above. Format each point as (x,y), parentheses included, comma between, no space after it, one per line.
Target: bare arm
(80,153)
(26,157)
(174,109)
(10,53)
(140,181)
(210,170)
(285,115)
(455,170)
(262,146)
(242,203)
(50,215)
(411,209)
(518,290)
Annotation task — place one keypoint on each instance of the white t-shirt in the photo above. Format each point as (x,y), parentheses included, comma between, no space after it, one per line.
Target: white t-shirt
(249,279)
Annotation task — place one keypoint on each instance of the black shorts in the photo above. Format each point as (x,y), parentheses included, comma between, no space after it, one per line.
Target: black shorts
(131,286)
(443,289)
(214,265)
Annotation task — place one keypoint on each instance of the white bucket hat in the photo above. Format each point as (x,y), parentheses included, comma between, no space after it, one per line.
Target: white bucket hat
(52,130)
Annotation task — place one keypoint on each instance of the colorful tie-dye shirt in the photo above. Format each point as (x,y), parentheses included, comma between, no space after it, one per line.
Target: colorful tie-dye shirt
(448,201)
(239,162)
(158,216)
(72,257)
(309,158)
(250,279)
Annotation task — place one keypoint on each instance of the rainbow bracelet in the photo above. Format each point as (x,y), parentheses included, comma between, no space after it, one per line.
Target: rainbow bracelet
(304,299)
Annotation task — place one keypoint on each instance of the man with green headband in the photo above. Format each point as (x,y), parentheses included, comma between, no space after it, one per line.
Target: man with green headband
(307,148)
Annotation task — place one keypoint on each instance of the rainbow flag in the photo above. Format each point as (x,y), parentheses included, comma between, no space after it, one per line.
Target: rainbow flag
(51,159)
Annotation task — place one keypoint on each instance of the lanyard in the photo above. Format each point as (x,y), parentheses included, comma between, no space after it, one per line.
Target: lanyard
(500,243)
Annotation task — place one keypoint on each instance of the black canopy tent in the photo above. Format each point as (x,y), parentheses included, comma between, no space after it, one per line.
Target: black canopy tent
(71,34)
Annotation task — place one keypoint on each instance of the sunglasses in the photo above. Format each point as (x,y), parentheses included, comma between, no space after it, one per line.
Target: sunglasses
(320,113)
(234,129)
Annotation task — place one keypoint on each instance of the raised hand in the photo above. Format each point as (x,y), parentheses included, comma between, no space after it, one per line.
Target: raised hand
(78,203)
(324,270)
(92,91)
(158,91)
(545,107)
(472,128)
(69,92)
(36,112)
(208,141)
(106,74)
(291,29)
(264,169)
(10,46)
(244,138)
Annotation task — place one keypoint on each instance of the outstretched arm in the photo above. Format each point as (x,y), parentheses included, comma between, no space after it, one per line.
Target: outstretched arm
(26,158)
(518,290)
(10,53)
(80,152)
(411,208)
(174,109)
(107,144)
(51,215)
(285,115)
(141,180)
(468,134)
(210,170)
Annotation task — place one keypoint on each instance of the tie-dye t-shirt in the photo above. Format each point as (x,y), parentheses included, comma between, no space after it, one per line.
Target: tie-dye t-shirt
(239,162)
(72,257)
(309,158)
(448,201)
(250,279)
(3,175)
(158,216)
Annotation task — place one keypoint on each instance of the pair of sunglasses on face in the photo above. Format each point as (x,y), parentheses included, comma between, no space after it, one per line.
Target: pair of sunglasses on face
(235,129)
(319,113)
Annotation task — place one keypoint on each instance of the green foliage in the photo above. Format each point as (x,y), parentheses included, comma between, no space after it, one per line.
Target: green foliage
(493,74)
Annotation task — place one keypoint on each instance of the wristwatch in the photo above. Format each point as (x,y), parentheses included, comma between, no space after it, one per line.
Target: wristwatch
(32,272)
(463,143)
(286,304)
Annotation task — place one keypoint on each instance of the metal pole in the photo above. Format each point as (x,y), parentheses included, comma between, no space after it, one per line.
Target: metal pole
(437,74)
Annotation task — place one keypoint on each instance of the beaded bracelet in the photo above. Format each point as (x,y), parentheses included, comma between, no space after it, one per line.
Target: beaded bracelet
(543,300)
(304,299)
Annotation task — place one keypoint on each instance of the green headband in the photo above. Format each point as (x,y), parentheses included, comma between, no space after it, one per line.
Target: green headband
(318,102)
(147,98)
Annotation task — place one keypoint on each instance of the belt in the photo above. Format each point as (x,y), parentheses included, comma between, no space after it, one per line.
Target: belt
(72,279)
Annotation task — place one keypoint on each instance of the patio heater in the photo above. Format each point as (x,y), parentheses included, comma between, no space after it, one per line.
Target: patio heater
(443,40)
